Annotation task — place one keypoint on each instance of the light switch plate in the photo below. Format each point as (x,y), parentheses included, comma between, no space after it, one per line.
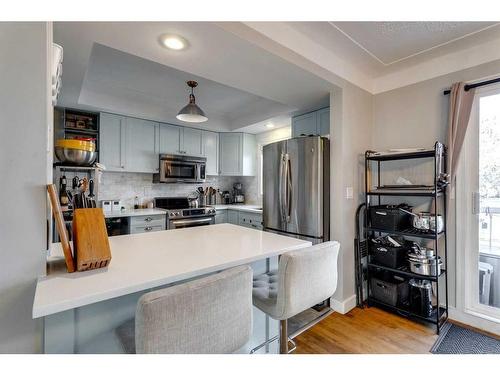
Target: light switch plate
(348,192)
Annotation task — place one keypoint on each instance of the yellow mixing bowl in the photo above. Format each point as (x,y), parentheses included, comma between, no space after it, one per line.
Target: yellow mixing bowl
(76,144)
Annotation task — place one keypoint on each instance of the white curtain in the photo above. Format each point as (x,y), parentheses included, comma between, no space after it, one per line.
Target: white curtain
(458,119)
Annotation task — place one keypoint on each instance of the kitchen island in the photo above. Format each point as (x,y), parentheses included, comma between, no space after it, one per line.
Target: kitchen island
(80,310)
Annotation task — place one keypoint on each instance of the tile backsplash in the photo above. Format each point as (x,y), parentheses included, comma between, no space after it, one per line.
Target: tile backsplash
(126,186)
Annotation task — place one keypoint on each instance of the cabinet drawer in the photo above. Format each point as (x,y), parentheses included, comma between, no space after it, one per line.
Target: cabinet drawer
(148,221)
(146,229)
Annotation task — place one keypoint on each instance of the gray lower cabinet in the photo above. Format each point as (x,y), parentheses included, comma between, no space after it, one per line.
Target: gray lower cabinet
(250,220)
(312,123)
(238,154)
(210,149)
(232,217)
(237,217)
(145,224)
(221,216)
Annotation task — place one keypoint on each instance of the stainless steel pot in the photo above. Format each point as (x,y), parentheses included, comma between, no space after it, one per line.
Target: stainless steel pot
(426,221)
(424,265)
(193,202)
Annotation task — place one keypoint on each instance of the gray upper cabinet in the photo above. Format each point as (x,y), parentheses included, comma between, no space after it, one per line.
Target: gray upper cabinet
(170,139)
(312,123)
(128,144)
(304,124)
(112,140)
(324,121)
(191,142)
(238,154)
(141,149)
(210,149)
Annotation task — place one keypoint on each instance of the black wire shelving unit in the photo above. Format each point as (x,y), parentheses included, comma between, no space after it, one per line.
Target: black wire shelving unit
(439,314)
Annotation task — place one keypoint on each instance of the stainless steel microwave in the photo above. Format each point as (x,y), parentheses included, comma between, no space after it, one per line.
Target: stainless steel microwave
(182,168)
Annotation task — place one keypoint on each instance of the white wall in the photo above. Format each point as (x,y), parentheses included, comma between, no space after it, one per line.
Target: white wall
(273,135)
(23,166)
(416,116)
(350,137)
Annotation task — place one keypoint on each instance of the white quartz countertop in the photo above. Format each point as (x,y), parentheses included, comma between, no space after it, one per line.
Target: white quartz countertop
(148,260)
(138,212)
(240,207)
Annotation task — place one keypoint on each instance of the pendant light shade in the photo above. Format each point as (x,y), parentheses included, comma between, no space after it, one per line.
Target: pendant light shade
(191,112)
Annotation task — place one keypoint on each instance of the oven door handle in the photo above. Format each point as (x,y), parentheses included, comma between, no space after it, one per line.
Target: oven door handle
(204,220)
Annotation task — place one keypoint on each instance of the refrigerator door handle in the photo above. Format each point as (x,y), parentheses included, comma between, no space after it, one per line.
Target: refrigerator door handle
(288,189)
(280,187)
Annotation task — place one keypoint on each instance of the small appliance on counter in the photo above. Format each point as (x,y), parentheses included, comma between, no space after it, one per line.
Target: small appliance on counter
(238,196)
(226,197)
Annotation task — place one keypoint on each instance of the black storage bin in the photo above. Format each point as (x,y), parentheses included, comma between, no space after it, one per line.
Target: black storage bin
(392,290)
(390,217)
(390,256)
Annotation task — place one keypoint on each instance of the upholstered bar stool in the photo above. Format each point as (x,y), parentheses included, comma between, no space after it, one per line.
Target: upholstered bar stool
(304,278)
(208,315)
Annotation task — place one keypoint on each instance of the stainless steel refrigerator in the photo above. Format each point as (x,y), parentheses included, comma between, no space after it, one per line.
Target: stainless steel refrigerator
(296,180)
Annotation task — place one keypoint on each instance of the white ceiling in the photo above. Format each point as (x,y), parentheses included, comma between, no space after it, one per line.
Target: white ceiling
(391,42)
(121,67)
(124,83)
(380,56)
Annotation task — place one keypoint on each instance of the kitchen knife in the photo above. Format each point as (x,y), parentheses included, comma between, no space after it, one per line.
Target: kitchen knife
(91,194)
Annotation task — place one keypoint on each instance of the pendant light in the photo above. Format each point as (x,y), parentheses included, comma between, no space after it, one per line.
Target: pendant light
(191,112)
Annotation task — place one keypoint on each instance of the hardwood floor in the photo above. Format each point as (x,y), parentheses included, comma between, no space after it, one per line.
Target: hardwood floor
(366,331)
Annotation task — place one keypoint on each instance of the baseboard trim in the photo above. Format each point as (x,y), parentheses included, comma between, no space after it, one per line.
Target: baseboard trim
(343,307)
(474,321)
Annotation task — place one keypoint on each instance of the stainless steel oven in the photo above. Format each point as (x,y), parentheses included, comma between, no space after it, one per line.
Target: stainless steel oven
(182,168)
(190,222)
(180,215)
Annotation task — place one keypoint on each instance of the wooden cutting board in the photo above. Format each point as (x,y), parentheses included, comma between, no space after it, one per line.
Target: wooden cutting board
(90,239)
(61,228)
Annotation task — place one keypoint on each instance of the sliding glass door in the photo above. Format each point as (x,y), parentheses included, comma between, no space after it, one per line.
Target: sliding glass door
(482,183)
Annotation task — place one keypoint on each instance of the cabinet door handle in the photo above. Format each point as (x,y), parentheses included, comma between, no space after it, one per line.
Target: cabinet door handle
(147,229)
(148,219)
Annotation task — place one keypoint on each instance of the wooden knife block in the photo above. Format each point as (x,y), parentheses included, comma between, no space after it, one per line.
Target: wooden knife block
(90,239)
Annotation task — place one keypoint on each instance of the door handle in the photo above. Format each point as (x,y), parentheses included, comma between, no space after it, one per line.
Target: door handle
(280,187)
(288,188)
(476,209)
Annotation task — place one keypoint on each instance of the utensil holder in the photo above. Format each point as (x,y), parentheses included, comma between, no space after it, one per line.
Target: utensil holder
(202,199)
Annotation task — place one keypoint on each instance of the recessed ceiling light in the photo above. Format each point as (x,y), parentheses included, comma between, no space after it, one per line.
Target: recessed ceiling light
(269,125)
(174,42)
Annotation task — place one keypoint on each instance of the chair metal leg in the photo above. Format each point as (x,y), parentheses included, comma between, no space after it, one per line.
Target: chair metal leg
(283,336)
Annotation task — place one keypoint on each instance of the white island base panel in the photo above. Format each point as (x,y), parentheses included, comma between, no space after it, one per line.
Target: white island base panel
(82,310)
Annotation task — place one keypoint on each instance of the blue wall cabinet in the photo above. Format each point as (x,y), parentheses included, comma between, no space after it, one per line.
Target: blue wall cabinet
(112,140)
(210,150)
(312,123)
(170,139)
(141,146)
(191,142)
(238,154)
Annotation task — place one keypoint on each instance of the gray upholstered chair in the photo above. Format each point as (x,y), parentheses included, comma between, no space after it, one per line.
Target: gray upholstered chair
(304,278)
(208,315)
